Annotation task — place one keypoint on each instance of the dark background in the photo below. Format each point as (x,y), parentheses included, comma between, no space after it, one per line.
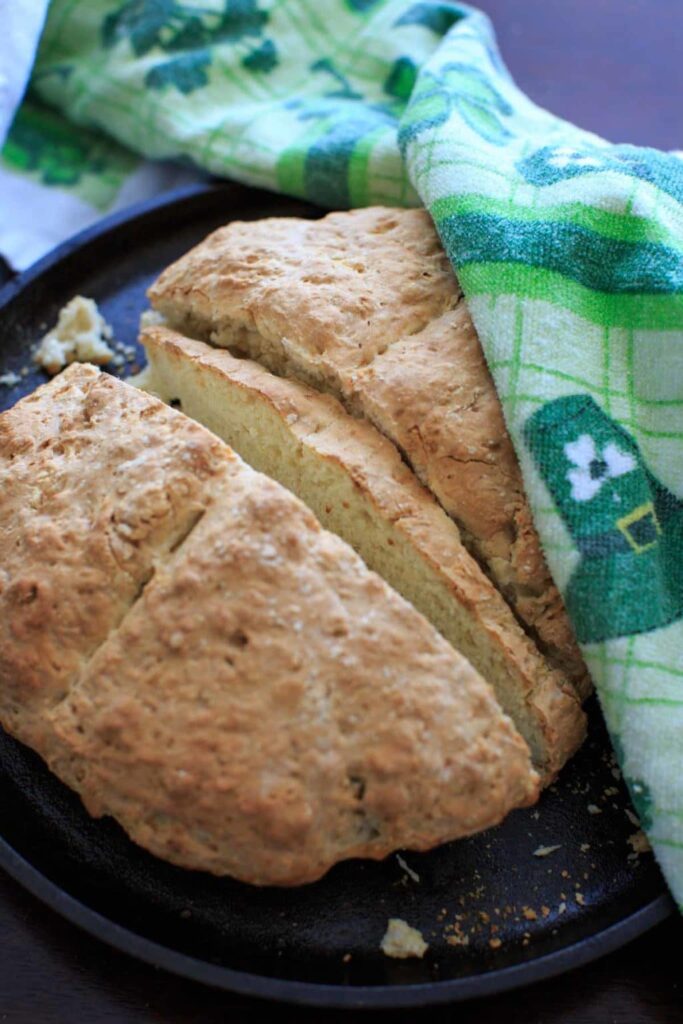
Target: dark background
(615,67)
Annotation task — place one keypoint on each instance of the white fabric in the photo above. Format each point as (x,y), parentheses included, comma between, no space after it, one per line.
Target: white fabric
(35,218)
(21,22)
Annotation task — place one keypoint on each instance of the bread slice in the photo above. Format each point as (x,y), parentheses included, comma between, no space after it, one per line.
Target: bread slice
(354,480)
(432,394)
(193,654)
(364,305)
(96,489)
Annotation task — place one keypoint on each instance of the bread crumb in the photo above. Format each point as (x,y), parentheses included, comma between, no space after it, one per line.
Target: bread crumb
(584,847)
(401,941)
(594,809)
(529,914)
(545,851)
(580,899)
(406,867)
(10,379)
(495,943)
(77,337)
(639,842)
(562,908)
(151,318)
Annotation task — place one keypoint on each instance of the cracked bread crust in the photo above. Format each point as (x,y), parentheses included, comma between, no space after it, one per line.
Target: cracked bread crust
(231,683)
(356,483)
(320,297)
(357,304)
(433,394)
(96,485)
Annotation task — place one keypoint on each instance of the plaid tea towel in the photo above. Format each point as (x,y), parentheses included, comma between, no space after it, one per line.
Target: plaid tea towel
(569,250)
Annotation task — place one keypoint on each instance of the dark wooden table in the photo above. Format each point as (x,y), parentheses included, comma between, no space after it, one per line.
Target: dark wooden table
(616,67)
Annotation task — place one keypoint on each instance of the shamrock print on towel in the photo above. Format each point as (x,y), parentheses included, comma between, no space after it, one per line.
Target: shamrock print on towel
(46,148)
(431,14)
(551,164)
(41,142)
(190,32)
(462,88)
(627,526)
(592,468)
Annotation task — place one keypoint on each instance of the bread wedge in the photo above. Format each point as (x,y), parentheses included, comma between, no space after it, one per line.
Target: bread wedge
(354,480)
(191,652)
(364,305)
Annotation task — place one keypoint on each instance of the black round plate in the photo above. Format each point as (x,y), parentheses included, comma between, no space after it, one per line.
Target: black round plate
(495,914)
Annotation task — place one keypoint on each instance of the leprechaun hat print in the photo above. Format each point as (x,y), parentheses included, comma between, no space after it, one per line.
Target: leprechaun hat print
(627,526)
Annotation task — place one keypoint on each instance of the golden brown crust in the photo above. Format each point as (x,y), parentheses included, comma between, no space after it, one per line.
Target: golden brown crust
(242,694)
(433,395)
(233,397)
(327,294)
(357,304)
(86,511)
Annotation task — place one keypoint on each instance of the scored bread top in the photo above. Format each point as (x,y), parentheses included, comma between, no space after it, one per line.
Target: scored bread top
(355,481)
(330,293)
(193,654)
(359,304)
(92,494)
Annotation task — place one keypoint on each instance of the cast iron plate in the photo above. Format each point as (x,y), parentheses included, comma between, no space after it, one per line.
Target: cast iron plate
(511,917)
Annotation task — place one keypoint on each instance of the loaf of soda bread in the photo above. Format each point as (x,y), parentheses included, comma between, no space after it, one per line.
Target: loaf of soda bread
(355,482)
(364,305)
(192,653)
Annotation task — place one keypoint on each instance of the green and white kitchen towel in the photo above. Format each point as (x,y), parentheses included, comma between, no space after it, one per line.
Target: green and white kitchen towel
(569,250)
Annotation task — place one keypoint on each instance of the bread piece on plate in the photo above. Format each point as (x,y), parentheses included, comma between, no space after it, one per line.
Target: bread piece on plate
(97,486)
(191,652)
(354,480)
(364,304)
(316,298)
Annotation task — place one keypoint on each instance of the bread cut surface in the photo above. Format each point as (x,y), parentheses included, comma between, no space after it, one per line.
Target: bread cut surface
(432,393)
(354,480)
(192,653)
(364,305)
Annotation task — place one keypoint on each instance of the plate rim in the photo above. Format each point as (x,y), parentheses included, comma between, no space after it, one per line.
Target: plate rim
(321,995)
(303,993)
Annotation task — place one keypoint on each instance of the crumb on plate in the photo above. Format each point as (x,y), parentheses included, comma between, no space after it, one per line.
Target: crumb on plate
(401,941)
(407,868)
(80,335)
(639,842)
(545,851)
